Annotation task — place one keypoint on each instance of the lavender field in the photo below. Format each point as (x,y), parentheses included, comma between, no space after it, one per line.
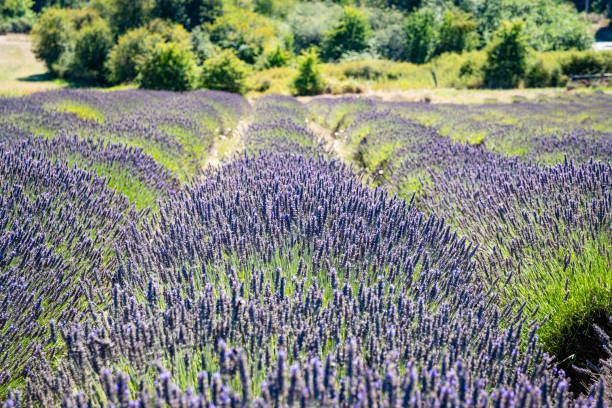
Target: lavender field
(160,249)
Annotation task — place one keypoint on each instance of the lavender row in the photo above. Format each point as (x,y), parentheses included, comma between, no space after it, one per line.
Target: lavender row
(547,230)
(279,124)
(282,280)
(177,130)
(59,226)
(541,132)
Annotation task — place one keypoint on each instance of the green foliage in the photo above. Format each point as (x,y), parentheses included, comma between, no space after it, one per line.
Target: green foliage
(549,25)
(266,7)
(168,67)
(224,72)
(129,53)
(133,47)
(189,13)
(420,36)
(92,46)
(275,58)
(506,57)
(309,22)
(202,46)
(350,33)
(589,62)
(539,76)
(308,80)
(388,33)
(127,14)
(15,8)
(246,32)
(53,36)
(457,32)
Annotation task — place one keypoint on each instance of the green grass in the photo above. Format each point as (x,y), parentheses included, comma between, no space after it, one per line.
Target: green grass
(571,297)
(80,110)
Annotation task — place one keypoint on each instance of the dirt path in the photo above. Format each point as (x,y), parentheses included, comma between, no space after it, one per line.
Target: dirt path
(225,145)
(333,142)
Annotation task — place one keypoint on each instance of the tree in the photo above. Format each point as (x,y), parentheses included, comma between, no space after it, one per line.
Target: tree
(129,54)
(168,67)
(92,46)
(350,33)
(275,58)
(15,8)
(245,32)
(308,81)
(309,21)
(189,13)
(224,72)
(420,37)
(53,36)
(506,56)
(457,32)
(126,14)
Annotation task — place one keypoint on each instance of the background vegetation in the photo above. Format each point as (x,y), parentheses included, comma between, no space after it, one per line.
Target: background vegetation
(460,43)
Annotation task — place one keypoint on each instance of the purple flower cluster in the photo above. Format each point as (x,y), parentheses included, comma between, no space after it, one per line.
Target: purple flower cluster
(279,124)
(278,279)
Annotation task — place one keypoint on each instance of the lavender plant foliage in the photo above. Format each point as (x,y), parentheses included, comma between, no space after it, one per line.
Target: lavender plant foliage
(59,226)
(280,279)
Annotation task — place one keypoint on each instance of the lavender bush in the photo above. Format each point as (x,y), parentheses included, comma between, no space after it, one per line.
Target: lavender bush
(279,278)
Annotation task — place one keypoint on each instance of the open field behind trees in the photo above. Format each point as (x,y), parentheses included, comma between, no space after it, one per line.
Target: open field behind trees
(198,249)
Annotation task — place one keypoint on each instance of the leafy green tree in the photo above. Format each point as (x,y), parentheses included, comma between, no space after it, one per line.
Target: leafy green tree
(224,72)
(405,5)
(420,36)
(457,32)
(506,56)
(15,8)
(309,21)
(168,67)
(129,54)
(127,14)
(132,48)
(189,13)
(245,32)
(350,33)
(276,58)
(170,32)
(53,35)
(266,7)
(308,80)
(93,43)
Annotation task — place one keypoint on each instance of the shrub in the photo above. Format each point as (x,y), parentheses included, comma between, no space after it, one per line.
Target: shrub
(588,62)
(171,32)
(349,34)
(276,58)
(202,46)
(18,24)
(419,36)
(308,80)
(189,13)
(457,32)
(245,32)
(224,72)
(10,9)
(506,57)
(53,35)
(133,47)
(92,46)
(309,22)
(129,53)
(169,67)
(127,14)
